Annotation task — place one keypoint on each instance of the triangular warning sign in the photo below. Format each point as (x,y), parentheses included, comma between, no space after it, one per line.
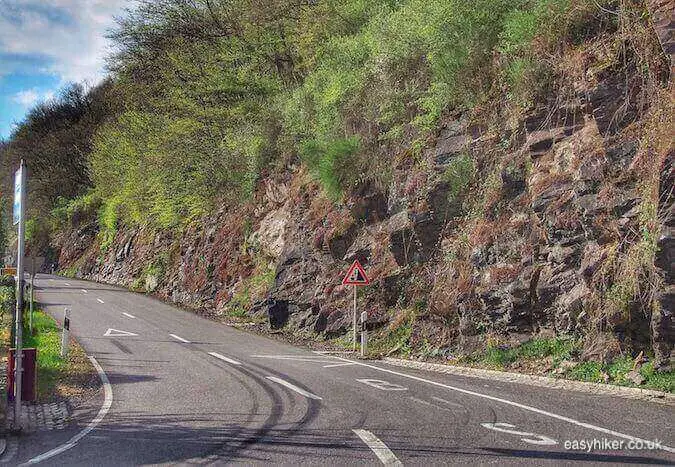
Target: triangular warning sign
(117,333)
(356,275)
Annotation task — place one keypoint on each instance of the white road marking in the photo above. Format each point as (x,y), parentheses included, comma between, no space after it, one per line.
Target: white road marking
(514,404)
(384,385)
(117,333)
(337,365)
(539,440)
(66,284)
(224,358)
(99,300)
(421,401)
(178,338)
(107,403)
(84,291)
(378,447)
(293,387)
(299,358)
(448,402)
(128,315)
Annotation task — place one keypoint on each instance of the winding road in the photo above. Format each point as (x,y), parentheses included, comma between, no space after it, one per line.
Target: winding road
(186,390)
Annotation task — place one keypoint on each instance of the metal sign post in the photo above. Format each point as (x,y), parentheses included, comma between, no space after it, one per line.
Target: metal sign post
(354,320)
(19,218)
(356,277)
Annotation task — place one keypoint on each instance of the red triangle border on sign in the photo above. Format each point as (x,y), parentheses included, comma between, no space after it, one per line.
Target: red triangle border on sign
(356,266)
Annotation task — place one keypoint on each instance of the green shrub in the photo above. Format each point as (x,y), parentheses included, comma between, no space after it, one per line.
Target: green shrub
(333,165)
(459,174)
(587,371)
(108,222)
(7,295)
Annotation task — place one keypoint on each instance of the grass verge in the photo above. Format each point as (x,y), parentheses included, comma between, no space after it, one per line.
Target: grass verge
(58,378)
(558,357)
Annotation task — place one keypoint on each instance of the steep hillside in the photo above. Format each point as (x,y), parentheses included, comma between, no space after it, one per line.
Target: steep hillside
(502,176)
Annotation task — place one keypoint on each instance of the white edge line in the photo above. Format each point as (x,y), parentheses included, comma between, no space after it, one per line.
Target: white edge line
(378,447)
(99,300)
(293,387)
(128,315)
(178,338)
(107,403)
(514,404)
(224,358)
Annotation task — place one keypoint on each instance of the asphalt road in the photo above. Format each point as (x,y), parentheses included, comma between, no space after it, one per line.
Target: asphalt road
(186,390)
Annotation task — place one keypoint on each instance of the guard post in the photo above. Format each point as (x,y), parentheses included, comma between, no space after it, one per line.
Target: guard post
(65,334)
(364,334)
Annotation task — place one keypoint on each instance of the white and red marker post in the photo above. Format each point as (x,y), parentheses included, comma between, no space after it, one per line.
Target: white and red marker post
(356,277)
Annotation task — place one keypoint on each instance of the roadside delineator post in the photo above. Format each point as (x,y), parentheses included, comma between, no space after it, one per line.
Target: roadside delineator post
(356,277)
(364,334)
(65,334)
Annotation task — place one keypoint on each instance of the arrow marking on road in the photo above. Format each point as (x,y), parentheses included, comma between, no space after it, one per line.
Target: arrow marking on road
(378,447)
(224,358)
(128,315)
(117,333)
(293,387)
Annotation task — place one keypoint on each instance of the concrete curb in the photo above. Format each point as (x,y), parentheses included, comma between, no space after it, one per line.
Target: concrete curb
(540,381)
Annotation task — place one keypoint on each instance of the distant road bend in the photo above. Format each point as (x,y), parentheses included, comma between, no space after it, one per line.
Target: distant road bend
(186,390)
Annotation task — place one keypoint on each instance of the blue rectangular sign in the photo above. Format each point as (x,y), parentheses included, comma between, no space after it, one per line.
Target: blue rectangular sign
(17,196)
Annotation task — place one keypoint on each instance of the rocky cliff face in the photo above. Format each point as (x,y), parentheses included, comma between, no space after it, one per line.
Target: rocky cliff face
(557,220)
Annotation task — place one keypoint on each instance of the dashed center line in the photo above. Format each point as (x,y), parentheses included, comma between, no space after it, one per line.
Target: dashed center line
(127,315)
(378,447)
(99,300)
(297,358)
(293,387)
(335,365)
(224,358)
(178,338)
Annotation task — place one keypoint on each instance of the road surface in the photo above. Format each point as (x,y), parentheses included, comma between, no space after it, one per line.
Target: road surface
(186,390)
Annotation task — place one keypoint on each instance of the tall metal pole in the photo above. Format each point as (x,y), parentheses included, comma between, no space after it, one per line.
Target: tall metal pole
(18,348)
(32,287)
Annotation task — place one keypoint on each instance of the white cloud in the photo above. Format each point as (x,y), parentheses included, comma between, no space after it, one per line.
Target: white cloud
(68,35)
(29,97)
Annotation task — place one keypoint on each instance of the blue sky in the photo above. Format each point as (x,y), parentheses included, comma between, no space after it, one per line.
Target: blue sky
(46,44)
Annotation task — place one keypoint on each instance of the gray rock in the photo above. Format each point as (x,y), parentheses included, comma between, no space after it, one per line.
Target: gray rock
(635,377)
